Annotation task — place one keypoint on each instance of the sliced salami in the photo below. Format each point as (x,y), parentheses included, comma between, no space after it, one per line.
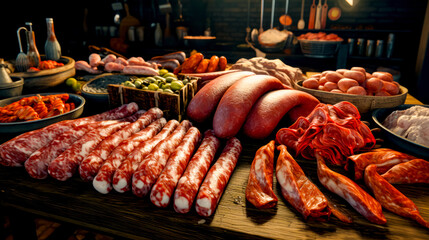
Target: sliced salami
(66,164)
(153,164)
(390,198)
(132,158)
(92,163)
(163,189)
(217,178)
(298,190)
(259,189)
(17,150)
(198,166)
(360,200)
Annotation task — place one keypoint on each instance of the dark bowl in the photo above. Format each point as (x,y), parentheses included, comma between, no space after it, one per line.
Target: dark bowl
(20,127)
(199,42)
(415,149)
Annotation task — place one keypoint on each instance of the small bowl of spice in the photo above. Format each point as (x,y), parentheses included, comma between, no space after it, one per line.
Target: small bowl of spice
(95,90)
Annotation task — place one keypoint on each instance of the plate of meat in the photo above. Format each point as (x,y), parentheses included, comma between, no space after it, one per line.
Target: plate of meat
(29,112)
(406,126)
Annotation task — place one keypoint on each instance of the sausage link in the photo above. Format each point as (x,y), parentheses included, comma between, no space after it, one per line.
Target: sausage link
(223,62)
(198,166)
(217,178)
(213,64)
(191,64)
(164,187)
(123,175)
(202,66)
(414,171)
(153,164)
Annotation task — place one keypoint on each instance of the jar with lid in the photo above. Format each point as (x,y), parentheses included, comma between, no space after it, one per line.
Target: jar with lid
(52,46)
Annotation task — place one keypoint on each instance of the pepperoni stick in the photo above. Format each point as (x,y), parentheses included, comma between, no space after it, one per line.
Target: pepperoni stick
(38,162)
(215,182)
(198,166)
(123,175)
(360,200)
(103,180)
(15,151)
(414,171)
(65,165)
(298,190)
(150,167)
(259,190)
(390,198)
(163,189)
(92,163)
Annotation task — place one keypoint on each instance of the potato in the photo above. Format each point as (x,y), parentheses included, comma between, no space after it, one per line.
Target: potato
(330,86)
(360,69)
(311,83)
(385,76)
(374,85)
(336,91)
(382,93)
(322,81)
(368,75)
(333,77)
(346,83)
(316,76)
(391,87)
(357,90)
(326,72)
(356,75)
(341,71)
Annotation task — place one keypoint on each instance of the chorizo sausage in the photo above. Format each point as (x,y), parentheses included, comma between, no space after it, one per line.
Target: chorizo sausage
(191,64)
(202,67)
(238,100)
(217,178)
(204,103)
(223,62)
(414,171)
(213,64)
(270,108)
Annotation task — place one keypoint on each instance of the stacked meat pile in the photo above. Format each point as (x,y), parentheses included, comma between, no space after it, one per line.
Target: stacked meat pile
(126,149)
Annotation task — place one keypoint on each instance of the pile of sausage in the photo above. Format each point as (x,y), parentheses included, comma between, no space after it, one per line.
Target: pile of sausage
(127,149)
(354,81)
(196,63)
(248,101)
(379,169)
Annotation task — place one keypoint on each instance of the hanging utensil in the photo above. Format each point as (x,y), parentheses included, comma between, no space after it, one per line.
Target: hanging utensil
(22,63)
(312,15)
(318,13)
(261,28)
(301,22)
(324,14)
(272,13)
(285,19)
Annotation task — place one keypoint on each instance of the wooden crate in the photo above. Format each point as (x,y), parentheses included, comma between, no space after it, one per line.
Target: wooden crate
(173,105)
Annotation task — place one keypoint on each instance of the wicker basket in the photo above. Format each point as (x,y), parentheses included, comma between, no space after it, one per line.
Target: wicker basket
(363,103)
(319,48)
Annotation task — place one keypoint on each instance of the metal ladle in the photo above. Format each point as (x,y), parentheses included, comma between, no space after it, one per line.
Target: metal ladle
(22,63)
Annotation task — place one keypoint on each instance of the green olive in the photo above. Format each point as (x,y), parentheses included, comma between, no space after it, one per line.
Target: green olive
(167,90)
(163,71)
(153,87)
(177,85)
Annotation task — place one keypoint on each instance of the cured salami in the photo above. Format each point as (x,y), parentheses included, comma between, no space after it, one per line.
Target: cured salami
(17,150)
(66,164)
(217,178)
(390,198)
(259,190)
(163,189)
(384,158)
(132,158)
(298,190)
(38,162)
(153,164)
(414,171)
(198,166)
(360,200)
(92,163)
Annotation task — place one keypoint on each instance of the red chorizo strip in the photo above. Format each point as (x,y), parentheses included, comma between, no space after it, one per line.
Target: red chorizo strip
(198,166)
(123,175)
(15,151)
(153,164)
(237,101)
(384,158)
(217,178)
(360,200)
(38,162)
(390,198)
(92,163)
(259,189)
(65,165)
(298,190)
(163,189)
(414,171)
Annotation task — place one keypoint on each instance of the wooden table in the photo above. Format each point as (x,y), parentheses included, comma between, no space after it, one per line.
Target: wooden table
(128,216)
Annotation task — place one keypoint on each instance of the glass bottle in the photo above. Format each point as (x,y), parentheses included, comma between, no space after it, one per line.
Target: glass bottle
(32,52)
(52,46)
